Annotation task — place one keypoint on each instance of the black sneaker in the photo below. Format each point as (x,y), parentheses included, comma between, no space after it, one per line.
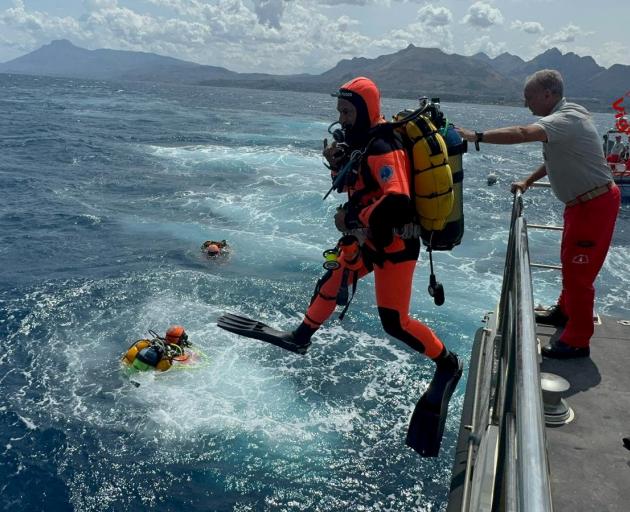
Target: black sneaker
(552,316)
(560,350)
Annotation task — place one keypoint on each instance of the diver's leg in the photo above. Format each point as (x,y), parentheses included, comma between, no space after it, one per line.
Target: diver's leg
(393,294)
(324,298)
(393,283)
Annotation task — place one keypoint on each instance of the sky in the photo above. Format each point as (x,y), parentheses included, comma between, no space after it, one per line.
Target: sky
(311,36)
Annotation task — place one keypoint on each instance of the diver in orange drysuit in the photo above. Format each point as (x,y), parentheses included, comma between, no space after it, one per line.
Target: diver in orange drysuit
(379,200)
(378,203)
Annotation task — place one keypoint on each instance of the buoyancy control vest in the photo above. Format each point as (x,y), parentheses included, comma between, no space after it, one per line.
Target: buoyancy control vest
(146,354)
(435,151)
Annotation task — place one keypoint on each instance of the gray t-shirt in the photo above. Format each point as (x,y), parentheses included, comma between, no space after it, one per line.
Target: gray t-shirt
(574,157)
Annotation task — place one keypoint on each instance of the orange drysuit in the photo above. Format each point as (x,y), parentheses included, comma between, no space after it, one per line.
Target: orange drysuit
(378,199)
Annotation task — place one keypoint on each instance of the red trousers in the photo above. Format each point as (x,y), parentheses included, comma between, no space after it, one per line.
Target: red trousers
(588,230)
(393,294)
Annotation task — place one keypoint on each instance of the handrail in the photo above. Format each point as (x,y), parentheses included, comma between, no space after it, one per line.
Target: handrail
(510,470)
(519,383)
(533,465)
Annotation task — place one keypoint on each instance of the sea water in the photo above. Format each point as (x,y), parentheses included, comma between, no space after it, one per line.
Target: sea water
(109,190)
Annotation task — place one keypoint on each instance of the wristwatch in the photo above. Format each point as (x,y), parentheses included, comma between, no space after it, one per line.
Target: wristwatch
(478,139)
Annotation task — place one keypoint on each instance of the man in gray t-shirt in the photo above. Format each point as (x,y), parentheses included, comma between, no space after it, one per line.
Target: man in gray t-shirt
(581,179)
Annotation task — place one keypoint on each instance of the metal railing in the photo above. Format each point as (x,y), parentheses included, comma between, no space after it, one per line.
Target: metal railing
(544,227)
(507,466)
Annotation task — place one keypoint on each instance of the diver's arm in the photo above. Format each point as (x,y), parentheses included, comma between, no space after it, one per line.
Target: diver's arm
(507,135)
(541,172)
(393,211)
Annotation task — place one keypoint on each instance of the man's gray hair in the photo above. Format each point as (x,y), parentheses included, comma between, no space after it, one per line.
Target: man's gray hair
(547,79)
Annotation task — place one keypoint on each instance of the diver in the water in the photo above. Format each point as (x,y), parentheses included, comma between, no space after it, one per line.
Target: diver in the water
(213,249)
(159,352)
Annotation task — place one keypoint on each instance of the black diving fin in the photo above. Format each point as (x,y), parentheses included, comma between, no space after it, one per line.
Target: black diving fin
(257,330)
(426,427)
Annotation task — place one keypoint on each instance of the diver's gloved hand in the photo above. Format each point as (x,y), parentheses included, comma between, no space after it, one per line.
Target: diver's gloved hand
(336,156)
(347,218)
(340,219)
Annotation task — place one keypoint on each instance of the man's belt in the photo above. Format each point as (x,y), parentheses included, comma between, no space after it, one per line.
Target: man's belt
(591,194)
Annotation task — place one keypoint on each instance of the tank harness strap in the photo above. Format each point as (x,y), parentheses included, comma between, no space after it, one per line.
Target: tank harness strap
(344,282)
(318,286)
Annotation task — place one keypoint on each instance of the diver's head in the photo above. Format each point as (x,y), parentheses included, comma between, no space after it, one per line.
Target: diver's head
(213,250)
(358,103)
(176,335)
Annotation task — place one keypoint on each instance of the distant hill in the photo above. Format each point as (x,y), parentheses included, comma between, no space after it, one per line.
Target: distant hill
(506,63)
(413,72)
(62,58)
(577,71)
(408,73)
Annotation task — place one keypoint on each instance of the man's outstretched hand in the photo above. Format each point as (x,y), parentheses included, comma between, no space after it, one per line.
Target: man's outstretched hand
(519,185)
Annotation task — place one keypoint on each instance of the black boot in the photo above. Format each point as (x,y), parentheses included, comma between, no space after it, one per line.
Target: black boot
(426,427)
(447,365)
(300,337)
(552,316)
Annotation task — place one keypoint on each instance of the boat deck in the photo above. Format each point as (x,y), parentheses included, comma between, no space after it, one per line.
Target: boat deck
(590,467)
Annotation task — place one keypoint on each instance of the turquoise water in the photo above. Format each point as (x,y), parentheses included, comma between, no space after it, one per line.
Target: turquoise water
(109,189)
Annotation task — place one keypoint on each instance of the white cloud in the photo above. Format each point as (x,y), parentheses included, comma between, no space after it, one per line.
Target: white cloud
(486,45)
(530,27)
(95,5)
(564,35)
(417,34)
(430,31)
(35,25)
(483,15)
(276,36)
(269,11)
(433,15)
(612,52)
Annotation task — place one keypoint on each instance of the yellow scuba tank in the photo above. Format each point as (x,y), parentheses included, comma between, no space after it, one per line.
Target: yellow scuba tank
(432,178)
(435,150)
(132,352)
(164,364)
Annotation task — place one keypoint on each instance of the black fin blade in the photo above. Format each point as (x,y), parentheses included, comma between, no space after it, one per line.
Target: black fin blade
(426,428)
(259,331)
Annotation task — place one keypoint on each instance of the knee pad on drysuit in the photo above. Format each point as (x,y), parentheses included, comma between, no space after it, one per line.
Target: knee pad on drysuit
(390,319)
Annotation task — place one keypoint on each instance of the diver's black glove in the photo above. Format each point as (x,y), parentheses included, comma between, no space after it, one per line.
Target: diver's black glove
(336,155)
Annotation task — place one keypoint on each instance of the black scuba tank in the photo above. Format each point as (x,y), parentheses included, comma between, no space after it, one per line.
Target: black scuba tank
(150,355)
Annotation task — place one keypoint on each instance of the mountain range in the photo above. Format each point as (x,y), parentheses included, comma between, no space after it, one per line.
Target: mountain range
(408,73)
